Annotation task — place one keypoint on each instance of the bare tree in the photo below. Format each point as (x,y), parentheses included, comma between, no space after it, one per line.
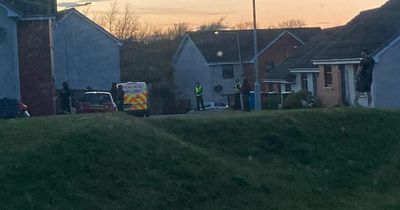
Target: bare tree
(292,23)
(243,26)
(214,25)
(126,25)
(177,30)
(110,17)
(149,32)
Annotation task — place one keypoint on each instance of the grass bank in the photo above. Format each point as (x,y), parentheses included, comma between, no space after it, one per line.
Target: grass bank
(316,159)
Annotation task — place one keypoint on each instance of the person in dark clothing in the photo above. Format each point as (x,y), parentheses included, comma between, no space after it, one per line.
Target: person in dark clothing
(65,97)
(364,77)
(121,97)
(246,95)
(114,92)
(198,91)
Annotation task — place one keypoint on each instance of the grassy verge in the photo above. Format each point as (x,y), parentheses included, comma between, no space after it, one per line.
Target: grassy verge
(318,159)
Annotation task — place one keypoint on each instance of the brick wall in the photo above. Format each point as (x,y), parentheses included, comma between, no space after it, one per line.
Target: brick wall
(35,68)
(330,96)
(277,53)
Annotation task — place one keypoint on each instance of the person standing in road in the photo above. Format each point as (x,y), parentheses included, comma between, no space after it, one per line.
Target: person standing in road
(236,89)
(65,97)
(198,91)
(114,92)
(121,98)
(246,95)
(364,77)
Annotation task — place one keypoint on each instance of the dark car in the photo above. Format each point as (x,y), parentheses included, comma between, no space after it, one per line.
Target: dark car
(93,102)
(11,108)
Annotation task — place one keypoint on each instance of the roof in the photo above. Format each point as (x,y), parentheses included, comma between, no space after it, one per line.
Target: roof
(301,58)
(32,8)
(209,43)
(66,13)
(372,30)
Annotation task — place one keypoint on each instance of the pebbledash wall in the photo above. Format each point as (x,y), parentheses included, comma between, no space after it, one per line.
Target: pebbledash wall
(85,55)
(9,75)
(386,78)
(192,67)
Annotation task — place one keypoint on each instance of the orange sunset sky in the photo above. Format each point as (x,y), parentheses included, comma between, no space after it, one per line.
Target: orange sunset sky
(323,13)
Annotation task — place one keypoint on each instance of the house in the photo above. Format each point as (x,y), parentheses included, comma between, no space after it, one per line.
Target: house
(217,60)
(85,55)
(378,31)
(298,72)
(40,49)
(26,70)
(327,64)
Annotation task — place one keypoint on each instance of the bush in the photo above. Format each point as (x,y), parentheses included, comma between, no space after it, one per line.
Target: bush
(302,99)
(272,102)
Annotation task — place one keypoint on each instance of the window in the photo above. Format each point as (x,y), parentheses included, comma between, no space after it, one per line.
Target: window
(304,81)
(288,88)
(328,75)
(227,71)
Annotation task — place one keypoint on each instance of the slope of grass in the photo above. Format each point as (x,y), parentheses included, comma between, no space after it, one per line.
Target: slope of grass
(318,159)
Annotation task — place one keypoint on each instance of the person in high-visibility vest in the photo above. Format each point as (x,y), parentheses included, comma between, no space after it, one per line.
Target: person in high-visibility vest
(198,91)
(236,89)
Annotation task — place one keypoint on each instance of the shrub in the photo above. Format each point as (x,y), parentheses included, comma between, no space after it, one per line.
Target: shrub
(302,99)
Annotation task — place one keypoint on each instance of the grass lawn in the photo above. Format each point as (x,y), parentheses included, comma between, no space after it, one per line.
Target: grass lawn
(302,159)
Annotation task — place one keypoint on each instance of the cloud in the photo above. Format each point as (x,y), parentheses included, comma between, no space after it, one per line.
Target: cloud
(73,3)
(179,11)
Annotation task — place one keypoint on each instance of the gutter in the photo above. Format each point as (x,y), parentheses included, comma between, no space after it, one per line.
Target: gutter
(304,70)
(279,81)
(336,61)
(229,63)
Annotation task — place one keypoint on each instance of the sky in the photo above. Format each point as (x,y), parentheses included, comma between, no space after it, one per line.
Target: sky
(322,13)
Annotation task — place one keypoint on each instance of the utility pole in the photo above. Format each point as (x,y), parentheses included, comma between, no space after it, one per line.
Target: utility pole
(257,88)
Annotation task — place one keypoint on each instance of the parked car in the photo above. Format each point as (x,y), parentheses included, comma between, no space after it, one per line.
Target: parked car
(215,106)
(11,108)
(212,107)
(93,102)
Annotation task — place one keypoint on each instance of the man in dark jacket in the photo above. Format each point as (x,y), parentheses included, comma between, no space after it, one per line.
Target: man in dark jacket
(364,77)
(121,98)
(65,97)
(114,92)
